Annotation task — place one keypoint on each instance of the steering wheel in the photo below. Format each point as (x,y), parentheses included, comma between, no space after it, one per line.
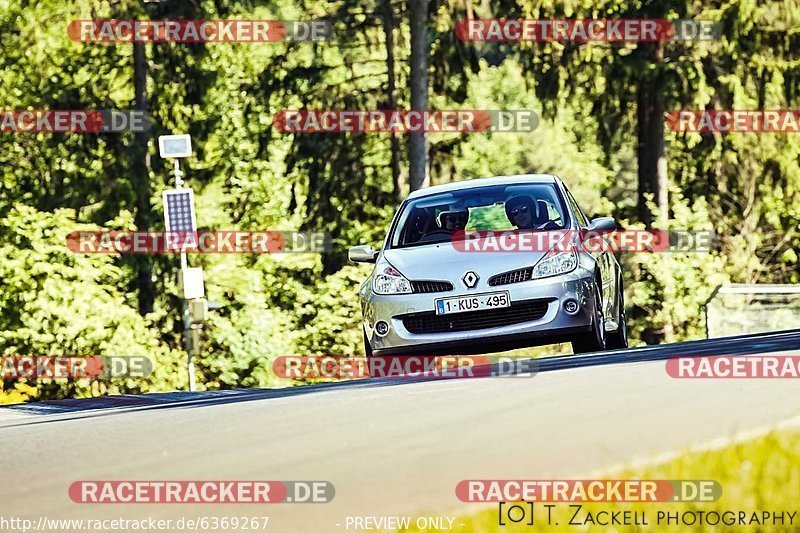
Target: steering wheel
(550,225)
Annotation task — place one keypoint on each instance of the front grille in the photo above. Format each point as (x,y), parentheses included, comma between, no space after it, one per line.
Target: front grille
(515,276)
(431,286)
(430,322)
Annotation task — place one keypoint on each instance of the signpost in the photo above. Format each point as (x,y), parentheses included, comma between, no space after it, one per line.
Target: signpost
(181,223)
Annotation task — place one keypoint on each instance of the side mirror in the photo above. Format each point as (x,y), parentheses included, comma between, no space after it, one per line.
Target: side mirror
(602,224)
(362,254)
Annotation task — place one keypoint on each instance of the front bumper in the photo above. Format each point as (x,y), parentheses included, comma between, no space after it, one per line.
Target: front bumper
(556,325)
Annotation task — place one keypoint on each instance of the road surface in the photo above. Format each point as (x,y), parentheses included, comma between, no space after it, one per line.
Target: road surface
(391,447)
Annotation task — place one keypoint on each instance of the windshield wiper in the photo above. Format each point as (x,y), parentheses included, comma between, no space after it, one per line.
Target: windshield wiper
(415,244)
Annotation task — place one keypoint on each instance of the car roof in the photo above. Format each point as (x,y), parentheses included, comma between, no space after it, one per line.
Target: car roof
(485,182)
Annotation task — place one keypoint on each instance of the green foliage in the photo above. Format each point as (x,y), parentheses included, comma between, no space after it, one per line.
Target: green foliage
(56,302)
(249,176)
(330,316)
(667,291)
(243,344)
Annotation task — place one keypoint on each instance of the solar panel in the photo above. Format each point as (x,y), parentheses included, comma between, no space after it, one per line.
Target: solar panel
(179,215)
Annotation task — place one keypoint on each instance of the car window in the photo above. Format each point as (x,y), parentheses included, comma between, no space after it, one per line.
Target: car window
(552,212)
(582,220)
(493,216)
(442,217)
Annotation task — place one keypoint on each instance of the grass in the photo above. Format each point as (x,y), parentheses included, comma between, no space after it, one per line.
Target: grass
(762,474)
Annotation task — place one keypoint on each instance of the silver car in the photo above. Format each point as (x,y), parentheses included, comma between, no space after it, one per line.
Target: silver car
(433,290)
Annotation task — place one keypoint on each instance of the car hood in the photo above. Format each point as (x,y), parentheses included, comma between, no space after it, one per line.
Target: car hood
(444,262)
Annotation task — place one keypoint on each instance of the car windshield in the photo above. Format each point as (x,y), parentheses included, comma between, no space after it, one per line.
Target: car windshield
(442,217)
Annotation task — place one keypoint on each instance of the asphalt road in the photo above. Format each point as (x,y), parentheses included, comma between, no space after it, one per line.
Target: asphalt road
(390,447)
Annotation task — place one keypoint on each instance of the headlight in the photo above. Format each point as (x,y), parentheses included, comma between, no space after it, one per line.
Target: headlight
(555,263)
(390,281)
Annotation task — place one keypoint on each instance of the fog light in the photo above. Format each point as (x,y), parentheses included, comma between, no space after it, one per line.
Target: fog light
(381,328)
(571,306)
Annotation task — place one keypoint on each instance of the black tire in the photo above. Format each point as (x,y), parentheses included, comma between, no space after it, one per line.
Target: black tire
(617,340)
(595,339)
(367,347)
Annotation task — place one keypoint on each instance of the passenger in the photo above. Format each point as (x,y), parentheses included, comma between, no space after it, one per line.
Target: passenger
(453,221)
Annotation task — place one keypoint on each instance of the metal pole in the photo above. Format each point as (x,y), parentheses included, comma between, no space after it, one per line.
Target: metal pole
(176,166)
(187,325)
(187,321)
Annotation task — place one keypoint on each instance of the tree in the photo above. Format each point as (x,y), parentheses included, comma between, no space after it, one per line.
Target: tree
(419,173)
(140,177)
(391,94)
(650,156)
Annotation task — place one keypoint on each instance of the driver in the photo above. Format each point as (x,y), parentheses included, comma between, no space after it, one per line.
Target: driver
(521,212)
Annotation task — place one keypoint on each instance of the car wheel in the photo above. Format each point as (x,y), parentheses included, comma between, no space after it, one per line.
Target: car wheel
(367,346)
(595,339)
(619,339)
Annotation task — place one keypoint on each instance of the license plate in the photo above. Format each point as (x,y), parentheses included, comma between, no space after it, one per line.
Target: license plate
(477,302)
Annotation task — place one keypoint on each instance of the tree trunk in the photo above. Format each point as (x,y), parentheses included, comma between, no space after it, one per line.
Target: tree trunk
(418,142)
(388,29)
(141,180)
(652,163)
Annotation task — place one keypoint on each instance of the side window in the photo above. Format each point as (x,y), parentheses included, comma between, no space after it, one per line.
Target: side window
(553,214)
(582,220)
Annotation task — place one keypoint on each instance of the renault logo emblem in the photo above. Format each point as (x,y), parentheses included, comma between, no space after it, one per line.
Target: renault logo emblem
(470,279)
